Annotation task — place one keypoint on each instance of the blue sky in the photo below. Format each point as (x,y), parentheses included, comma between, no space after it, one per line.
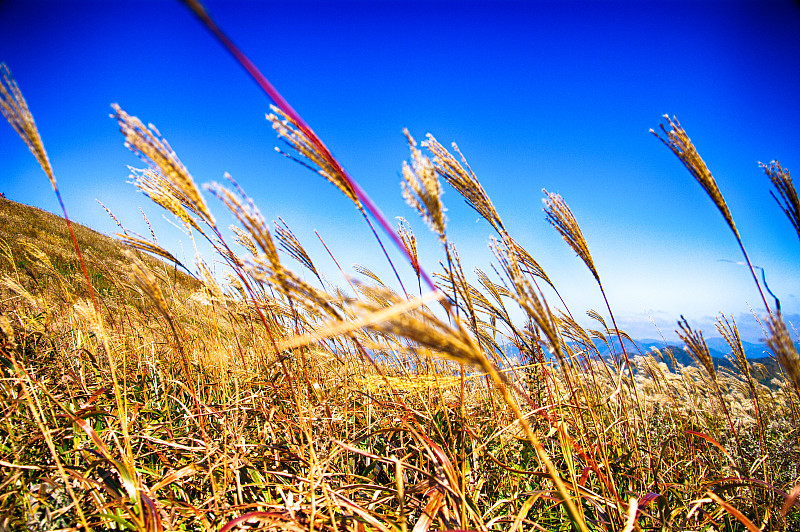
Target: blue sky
(555,95)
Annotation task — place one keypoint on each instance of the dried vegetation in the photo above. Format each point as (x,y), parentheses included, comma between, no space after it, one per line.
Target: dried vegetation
(166,401)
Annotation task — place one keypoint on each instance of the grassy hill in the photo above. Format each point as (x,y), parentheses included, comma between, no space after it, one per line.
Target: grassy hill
(36,250)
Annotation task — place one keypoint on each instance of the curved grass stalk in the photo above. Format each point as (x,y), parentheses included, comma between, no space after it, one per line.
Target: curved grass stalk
(681,145)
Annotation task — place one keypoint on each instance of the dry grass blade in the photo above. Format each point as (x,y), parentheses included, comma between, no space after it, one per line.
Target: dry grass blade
(264,521)
(734,512)
(169,176)
(421,189)
(15,111)
(782,181)
(560,216)
(678,141)
(633,510)
(464,181)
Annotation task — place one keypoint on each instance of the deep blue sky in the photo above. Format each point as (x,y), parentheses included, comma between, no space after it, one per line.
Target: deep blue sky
(555,95)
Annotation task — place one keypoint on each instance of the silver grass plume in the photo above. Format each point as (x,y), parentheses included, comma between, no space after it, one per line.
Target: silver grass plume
(727,328)
(292,246)
(526,260)
(461,177)
(526,297)
(780,342)
(678,141)
(166,181)
(244,240)
(144,278)
(409,242)
(15,110)
(681,145)
(560,216)
(366,272)
(421,189)
(312,155)
(697,347)
(782,181)
(150,247)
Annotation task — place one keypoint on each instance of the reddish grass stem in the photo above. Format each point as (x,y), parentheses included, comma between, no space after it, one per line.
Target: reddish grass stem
(281,102)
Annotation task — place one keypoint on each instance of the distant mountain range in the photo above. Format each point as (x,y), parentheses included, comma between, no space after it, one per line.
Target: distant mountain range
(718,347)
(763,366)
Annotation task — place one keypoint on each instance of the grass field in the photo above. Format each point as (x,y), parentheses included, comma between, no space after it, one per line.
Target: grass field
(141,394)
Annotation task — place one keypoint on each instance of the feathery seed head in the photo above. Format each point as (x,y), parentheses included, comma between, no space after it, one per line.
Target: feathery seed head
(782,181)
(421,189)
(111,214)
(462,178)
(312,153)
(678,141)
(366,272)
(292,246)
(526,260)
(145,280)
(729,331)
(527,298)
(409,242)
(149,247)
(166,174)
(10,283)
(15,110)
(424,328)
(155,186)
(8,342)
(784,349)
(697,347)
(248,215)
(244,240)
(560,216)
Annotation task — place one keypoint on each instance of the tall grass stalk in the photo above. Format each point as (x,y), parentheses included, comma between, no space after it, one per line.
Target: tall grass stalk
(676,139)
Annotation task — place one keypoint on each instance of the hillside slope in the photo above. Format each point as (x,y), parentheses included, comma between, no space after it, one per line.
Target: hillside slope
(35,242)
